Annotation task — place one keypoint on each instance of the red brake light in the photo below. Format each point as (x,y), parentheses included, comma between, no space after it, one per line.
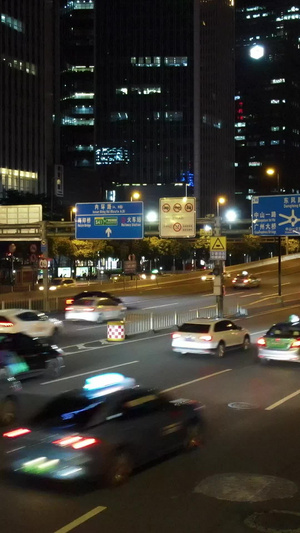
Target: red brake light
(205,338)
(16,433)
(6,324)
(175,335)
(296,344)
(68,308)
(76,442)
(246,281)
(69,301)
(261,341)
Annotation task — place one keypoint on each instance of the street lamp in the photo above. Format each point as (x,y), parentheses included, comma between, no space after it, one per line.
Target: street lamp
(231,215)
(271,171)
(220,201)
(152,216)
(72,212)
(135,196)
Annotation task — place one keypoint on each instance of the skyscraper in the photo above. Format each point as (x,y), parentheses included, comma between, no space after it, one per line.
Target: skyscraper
(147,95)
(267,128)
(25,102)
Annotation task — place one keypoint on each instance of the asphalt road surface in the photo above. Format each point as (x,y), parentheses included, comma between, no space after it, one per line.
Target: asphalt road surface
(245,478)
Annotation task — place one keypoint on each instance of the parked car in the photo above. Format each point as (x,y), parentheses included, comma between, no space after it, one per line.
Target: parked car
(95,310)
(33,323)
(23,357)
(205,336)
(245,281)
(60,283)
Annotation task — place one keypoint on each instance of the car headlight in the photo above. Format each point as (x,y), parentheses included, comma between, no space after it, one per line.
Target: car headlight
(53,288)
(143,276)
(203,278)
(41,288)
(153,276)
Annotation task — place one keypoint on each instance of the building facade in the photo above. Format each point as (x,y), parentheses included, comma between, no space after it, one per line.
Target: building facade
(267,127)
(147,97)
(25,96)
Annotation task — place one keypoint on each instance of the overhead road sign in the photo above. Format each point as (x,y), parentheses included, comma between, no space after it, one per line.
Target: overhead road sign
(109,220)
(276,215)
(177,217)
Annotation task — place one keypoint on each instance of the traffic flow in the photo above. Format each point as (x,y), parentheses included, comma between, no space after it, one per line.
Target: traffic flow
(86,414)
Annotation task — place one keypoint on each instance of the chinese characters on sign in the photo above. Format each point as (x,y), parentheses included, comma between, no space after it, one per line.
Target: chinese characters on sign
(109,220)
(177,217)
(276,215)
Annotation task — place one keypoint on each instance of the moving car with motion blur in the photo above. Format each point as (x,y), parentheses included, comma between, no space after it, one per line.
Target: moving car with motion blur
(9,391)
(281,342)
(245,281)
(33,323)
(24,357)
(204,336)
(103,431)
(95,310)
(93,294)
(209,275)
(60,283)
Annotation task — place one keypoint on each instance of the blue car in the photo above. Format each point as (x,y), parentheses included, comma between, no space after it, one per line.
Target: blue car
(104,430)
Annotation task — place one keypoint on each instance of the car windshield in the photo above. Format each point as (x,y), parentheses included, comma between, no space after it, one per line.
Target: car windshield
(285,330)
(194,328)
(56,281)
(69,410)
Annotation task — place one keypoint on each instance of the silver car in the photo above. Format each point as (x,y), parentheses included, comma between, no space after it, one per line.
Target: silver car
(245,281)
(205,336)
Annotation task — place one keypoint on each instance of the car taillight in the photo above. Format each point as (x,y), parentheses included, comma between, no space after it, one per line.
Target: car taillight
(261,341)
(295,344)
(175,335)
(6,324)
(69,301)
(205,338)
(76,442)
(68,308)
(234,281)
(16,433)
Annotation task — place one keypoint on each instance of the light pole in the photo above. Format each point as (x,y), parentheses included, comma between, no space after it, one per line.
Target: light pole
(220,201)
(219,264)
(72,212)
(271,171)
(135,196)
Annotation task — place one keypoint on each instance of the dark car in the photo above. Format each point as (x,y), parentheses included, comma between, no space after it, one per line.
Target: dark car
(92,294)
(104,430)
(22,356)
(9,390)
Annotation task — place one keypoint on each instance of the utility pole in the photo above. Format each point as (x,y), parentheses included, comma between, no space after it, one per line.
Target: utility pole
(44,250)
(218,273)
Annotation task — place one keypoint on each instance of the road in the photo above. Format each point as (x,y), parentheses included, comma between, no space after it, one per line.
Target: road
(249,463)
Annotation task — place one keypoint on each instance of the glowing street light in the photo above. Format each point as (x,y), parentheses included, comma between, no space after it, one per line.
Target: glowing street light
(135,196)
(152,216)
(257,51)
(271,171)
(220,201)
(231,215)
(72,212)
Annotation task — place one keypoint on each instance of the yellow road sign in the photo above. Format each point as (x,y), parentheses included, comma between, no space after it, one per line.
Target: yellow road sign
(218,244)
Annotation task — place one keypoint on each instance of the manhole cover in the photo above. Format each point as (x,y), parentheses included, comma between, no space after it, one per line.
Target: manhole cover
(275,522)
(246,487)
(241,405)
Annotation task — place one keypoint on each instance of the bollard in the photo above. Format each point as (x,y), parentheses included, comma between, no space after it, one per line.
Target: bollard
(116,331)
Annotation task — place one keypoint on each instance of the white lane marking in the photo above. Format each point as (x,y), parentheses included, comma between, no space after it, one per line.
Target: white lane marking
(253,294)
(111,344)
(84,518)
(90,372)
(157,306)
(283,400)
(196,380)
(287,283)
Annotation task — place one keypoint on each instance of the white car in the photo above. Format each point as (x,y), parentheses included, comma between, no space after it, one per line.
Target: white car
(209,276)
(95,310)
(205,336)
(33,323)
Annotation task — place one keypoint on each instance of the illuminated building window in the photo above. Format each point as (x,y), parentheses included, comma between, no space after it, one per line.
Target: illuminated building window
(275,101)
(236,164)
(254,164)
(278,80)
(273,143)
(173,116)
(108,156)
(79,69)
(116,117)
(84,148)
(240,124)
(176,61)
(71,121)
(146,61)
(80,96)
(122,90)
(11,22)
(83,110)
(262,143)
(240,137)
(275,128)
(146,90)
(24,66)
(76,4)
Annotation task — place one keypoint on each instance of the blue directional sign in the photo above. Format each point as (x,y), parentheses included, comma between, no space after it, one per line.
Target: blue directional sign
(276,215)
(109,220)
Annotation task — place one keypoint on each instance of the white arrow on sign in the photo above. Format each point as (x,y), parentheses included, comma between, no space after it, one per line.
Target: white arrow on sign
(108,232)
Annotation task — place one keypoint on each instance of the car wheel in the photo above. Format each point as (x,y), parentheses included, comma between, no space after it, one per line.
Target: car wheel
(120,469)
(264,361)
(8,411)
(99,319)
(53,369)
(220,351)
(193,437)
(246,343)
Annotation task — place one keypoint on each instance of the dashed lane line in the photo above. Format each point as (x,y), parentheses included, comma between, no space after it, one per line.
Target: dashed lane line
(88,373)
(198,379)
(283,400)
(81,520)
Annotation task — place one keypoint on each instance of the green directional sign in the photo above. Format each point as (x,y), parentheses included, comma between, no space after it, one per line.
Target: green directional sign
(106,221)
